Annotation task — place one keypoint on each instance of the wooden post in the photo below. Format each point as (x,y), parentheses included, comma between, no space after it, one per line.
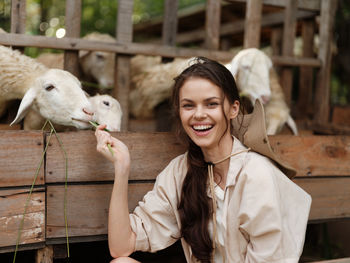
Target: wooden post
(322,94)
(276,41)
(72,21)
(252,25)
(212,24)
(304,104)
(18,16)
(288,46)
(169,25)
(122,64)
(44,255)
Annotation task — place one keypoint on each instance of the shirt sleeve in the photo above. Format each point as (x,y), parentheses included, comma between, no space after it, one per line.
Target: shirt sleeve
(153,220)
(266,219)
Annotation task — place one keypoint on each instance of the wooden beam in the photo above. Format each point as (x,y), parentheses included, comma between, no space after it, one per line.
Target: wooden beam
(12,205)
(18,16)
(304,103)
(212,24)
(339,260)
(151,152)
(20,156)
(170,23)
(276,41)
(330,197)
(72,18)
(238,26)
(134,48)
(44,255)
(146,150)
(252,25)
(122,65)
(322,91)
(87,214)
(313,5)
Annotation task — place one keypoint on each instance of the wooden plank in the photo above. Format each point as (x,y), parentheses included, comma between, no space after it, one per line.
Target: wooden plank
(330,197)
(18,16)
(12,204)
(20,155)
(44,255)
(341,115)
(289,28)
(8,127)
(322,91)
(72,18)
(212,24)
(294,61)
(313,5)
(252,25)
(122,64)
(150,153)
(170,22)
(87,213)
(314,155)
(329,128)
(236,27)
(340,260)
(304,104)
(134,48)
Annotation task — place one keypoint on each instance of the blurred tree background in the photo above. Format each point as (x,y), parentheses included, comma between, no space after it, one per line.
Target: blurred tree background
(46,17)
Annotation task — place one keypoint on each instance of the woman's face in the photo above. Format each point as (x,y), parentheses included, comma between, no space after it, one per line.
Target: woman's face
(201,112)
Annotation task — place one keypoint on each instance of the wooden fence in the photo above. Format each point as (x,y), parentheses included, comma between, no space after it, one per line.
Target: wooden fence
(282,25)
(322,167)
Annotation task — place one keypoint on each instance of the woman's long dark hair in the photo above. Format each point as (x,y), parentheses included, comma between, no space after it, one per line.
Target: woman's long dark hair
(195,206)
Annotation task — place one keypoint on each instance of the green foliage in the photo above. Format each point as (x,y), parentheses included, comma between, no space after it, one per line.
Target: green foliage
(339,91)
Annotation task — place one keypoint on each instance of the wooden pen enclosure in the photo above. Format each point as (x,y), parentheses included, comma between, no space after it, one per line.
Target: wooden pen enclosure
(322,162)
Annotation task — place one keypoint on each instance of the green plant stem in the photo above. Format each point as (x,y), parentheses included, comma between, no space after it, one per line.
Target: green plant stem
(28,198)
(65,186)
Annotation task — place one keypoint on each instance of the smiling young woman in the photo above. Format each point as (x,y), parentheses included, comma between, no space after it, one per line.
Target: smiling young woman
(226,202)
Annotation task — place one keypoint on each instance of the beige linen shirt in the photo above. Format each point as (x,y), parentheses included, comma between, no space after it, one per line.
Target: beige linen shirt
(266,213)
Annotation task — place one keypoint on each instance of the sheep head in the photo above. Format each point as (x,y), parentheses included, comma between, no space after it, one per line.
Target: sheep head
(97,64)
(57,95)
(107,111)
(251,67)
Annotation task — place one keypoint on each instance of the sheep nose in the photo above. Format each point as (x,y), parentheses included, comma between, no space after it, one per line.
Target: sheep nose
(265,99)
(87,112)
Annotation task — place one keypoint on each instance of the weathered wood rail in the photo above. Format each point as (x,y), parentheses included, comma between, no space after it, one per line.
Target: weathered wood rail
(322,163)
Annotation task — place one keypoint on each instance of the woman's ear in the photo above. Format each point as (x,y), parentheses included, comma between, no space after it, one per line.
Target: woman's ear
(234,109)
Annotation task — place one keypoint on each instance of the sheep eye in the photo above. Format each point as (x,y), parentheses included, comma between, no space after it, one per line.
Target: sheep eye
(106,103)
(49,87)
(100,56)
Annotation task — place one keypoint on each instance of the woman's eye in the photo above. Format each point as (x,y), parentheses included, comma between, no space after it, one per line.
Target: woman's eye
(187,106)
(213,104)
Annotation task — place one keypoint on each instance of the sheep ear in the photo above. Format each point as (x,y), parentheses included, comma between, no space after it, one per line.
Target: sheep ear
(26,102)
(83,53)
(234,67)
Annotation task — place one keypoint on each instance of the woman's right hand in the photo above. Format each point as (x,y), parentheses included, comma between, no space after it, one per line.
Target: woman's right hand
(120,156)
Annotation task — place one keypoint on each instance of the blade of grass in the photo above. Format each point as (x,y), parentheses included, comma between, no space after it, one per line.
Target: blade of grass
(65,185)
(28,198)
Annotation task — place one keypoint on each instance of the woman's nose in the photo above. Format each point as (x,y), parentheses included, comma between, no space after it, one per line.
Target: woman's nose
(200,113)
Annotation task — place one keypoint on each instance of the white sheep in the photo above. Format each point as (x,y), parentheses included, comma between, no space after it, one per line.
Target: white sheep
(107,111)
(56,94)
(97,66)
(256,79)
(153,86)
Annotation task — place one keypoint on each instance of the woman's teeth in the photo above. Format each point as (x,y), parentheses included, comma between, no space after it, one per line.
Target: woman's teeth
(202,127)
